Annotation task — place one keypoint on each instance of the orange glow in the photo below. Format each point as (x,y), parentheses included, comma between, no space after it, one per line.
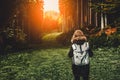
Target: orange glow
(51,21)
(110,31)
(51,5)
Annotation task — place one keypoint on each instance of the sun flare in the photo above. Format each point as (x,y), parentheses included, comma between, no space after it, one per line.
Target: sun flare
(51,5)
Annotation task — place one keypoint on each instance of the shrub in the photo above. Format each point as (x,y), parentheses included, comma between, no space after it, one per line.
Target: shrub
(65,38)
(12,39)
(105,41)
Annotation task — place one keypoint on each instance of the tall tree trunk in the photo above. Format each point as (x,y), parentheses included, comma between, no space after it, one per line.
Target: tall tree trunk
(102,21)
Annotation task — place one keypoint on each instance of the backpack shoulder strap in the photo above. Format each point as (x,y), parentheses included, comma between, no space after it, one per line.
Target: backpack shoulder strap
(87,45)
(74,46)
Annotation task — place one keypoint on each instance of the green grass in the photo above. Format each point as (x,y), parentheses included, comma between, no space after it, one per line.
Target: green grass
(54,64)
(51,36)
(50,40)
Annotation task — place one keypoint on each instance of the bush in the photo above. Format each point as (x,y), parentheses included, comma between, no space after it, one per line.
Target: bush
(105,41)
(13,39)
(65,38)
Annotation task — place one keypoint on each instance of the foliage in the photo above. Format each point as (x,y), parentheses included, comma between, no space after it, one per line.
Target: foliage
(50,40)
(23,15)
(65,38)
(105,64)
(54,64)
(109,7)
(12,39)
(90,29)
(104,6)
(18,33)
(105,41)
(37,65)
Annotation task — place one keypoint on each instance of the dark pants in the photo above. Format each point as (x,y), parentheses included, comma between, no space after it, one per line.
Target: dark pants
(81,71)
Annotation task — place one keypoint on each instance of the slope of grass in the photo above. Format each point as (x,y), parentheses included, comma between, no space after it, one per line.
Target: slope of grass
(50,40)
(53,64)
(51,36)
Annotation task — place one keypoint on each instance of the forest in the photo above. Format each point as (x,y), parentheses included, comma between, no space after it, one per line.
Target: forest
(34,44)
(22,22)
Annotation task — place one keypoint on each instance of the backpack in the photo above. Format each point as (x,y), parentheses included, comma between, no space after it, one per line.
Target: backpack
(80,54)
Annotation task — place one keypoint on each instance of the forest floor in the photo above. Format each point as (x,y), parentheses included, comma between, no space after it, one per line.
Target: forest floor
(52,63)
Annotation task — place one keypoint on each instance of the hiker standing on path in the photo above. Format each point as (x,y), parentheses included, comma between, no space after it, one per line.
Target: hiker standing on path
(80,53)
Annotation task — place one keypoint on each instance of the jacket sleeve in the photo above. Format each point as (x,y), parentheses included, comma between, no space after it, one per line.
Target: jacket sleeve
(90,52)
(70,53)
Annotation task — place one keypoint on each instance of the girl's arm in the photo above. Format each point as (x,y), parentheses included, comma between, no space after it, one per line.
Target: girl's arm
(70,53)
(90,52)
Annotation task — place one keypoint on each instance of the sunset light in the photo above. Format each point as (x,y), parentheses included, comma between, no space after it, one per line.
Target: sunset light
(51,5)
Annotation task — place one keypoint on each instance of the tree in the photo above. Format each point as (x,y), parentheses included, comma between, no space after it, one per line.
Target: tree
(108,10)
(68,12)
(16,15)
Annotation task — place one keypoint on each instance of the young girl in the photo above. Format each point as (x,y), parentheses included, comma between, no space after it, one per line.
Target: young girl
(79,38)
